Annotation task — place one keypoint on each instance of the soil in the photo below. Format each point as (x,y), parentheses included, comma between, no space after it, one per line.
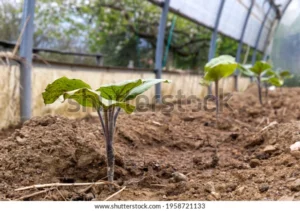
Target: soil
(163,154)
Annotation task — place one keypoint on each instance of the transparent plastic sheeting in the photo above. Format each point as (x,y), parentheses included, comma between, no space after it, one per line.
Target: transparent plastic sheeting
(285,52)
(233,17)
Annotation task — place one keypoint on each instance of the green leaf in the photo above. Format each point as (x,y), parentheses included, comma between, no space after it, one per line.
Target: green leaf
(285,74)
(269,73)
(119,91)
(127,90)
(126,107)
(104,97)
(219,67)
(275,81)
(60,86)
(147,84)
(90,98)
(245,70)
(259,67)
(85,97)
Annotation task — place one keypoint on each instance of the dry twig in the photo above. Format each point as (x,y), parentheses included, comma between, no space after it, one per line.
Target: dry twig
(158,185)
(270,125)
(13,55)
(61,194)
(20,37)
(35,194)
(284,110)
(262,120)
(64,185)
(116,193)
(90,186)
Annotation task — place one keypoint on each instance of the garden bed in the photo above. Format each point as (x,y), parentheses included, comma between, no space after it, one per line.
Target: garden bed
(245,156)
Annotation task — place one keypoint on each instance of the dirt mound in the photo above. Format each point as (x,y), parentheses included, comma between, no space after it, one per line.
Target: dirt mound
(53,149)
(244,155)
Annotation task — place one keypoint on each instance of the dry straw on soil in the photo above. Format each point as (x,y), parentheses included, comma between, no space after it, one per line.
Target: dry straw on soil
(9,95)
(9,85)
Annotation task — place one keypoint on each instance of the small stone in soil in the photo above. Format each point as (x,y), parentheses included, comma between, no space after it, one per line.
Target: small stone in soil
(216,195)
(263,156)
(240,190)
(254,163)
(89,196)
(231,187)
(269,149)
(179,177)
(20,140)
(263,187)
(295,186)
(209,187)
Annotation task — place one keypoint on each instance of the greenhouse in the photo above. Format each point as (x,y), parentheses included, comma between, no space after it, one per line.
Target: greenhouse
(149,100)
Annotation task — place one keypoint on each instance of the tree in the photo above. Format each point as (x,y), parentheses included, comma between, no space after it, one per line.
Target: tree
(9,20)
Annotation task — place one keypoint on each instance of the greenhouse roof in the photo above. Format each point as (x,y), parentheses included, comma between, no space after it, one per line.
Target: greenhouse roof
(231,24)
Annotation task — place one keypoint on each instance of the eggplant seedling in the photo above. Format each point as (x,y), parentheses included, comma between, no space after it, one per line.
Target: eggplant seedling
(216,69)
(108,100)
(270,78)
(285,74)
(258,70)
(277,79)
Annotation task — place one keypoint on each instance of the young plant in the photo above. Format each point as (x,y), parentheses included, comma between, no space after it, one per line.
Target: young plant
(277,79)
(273,78)
(258,70)
(108,100)
(285,74)
(216,69)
